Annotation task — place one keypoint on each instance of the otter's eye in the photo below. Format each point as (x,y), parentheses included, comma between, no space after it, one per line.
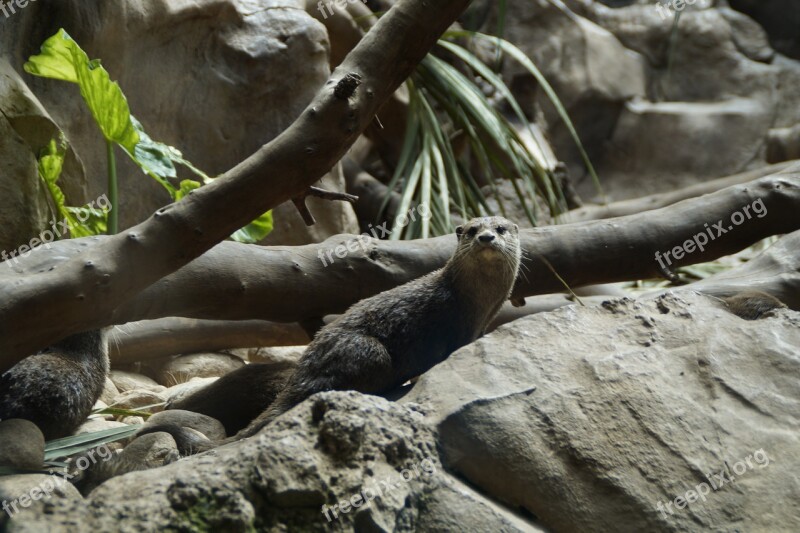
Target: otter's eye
(501,230)
(472,232)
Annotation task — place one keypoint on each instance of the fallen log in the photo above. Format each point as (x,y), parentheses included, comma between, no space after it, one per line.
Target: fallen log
(233,281)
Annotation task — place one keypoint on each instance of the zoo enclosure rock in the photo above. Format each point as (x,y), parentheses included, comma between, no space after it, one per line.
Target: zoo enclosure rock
(327,449)
(589,417)
(217,79)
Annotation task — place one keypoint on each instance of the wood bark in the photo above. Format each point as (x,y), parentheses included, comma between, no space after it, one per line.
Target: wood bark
(83,291)
(288,284)
(155,339)
(655,201)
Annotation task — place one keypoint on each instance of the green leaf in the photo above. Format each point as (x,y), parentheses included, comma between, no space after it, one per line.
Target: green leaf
(153,157)
(256,230)
(87,221)
(67,446)
(107,103)
(63,59)
(187,186)
(55,59)
(83,222)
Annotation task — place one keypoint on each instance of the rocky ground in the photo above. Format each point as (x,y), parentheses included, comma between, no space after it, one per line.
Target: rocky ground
(667,414)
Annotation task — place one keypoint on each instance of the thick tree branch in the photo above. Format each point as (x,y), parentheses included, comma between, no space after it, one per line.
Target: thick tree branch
(154,339)
(657,201)
(288,284)
(84,290)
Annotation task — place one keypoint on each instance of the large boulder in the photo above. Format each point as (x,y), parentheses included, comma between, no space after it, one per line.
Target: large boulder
(25,129)
(669,414)
(664,414)
(655,108)
(215,78)
(339,461)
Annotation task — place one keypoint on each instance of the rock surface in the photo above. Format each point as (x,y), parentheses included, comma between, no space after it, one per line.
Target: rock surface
(589,418)
(666,414)
(126,381)
(202,365)
(21,444)
(28,494)
(230,75)
(276,354)
(139,398)
(640,117)
(335,449)
(25,129)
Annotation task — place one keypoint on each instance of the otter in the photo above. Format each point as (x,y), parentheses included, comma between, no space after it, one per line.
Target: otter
(383,341)
(57,387)
(240,396)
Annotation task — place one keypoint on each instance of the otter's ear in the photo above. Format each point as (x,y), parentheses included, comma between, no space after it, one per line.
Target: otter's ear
(516,228)
(459,231)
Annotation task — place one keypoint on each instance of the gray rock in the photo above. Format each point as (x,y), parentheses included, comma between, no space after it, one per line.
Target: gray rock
(591,418)
(202,365)
(138,399)
(25,129)
(127,381)
(21,444)
(27,495)
(281,479)
(182,390)
(98,424)
(150,450)
(640,119)
(276,354)
(110,392)
(662,139)
(132,420)
(208,426)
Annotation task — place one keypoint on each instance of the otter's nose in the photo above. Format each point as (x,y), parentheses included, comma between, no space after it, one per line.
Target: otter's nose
(486,236)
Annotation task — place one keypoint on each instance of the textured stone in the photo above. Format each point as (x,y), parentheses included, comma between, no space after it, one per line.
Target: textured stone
(126,381)
(281,479)
(137,398)
(21,444)
(276,354)
(202,365)
(590,417)
(110,392)
(230,76)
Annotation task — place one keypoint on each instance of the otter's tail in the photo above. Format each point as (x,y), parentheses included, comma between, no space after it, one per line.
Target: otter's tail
(188,442)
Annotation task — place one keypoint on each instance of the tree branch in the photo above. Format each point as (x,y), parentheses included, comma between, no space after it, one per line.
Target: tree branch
(154,339)
(288,284)
(86,289)
(656,201)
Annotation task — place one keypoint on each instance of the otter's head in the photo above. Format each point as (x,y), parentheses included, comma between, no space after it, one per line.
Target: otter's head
(489,240)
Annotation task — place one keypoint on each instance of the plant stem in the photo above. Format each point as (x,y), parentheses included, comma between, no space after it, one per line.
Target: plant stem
(113,215)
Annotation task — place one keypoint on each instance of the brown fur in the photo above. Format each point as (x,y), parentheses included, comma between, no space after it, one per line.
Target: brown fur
(383,341)
(57,387)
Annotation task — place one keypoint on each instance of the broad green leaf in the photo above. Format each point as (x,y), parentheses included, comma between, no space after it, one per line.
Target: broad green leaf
(256,230)
(63,59)
(87,221)
(106,102)
(81,224)
(55,60)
